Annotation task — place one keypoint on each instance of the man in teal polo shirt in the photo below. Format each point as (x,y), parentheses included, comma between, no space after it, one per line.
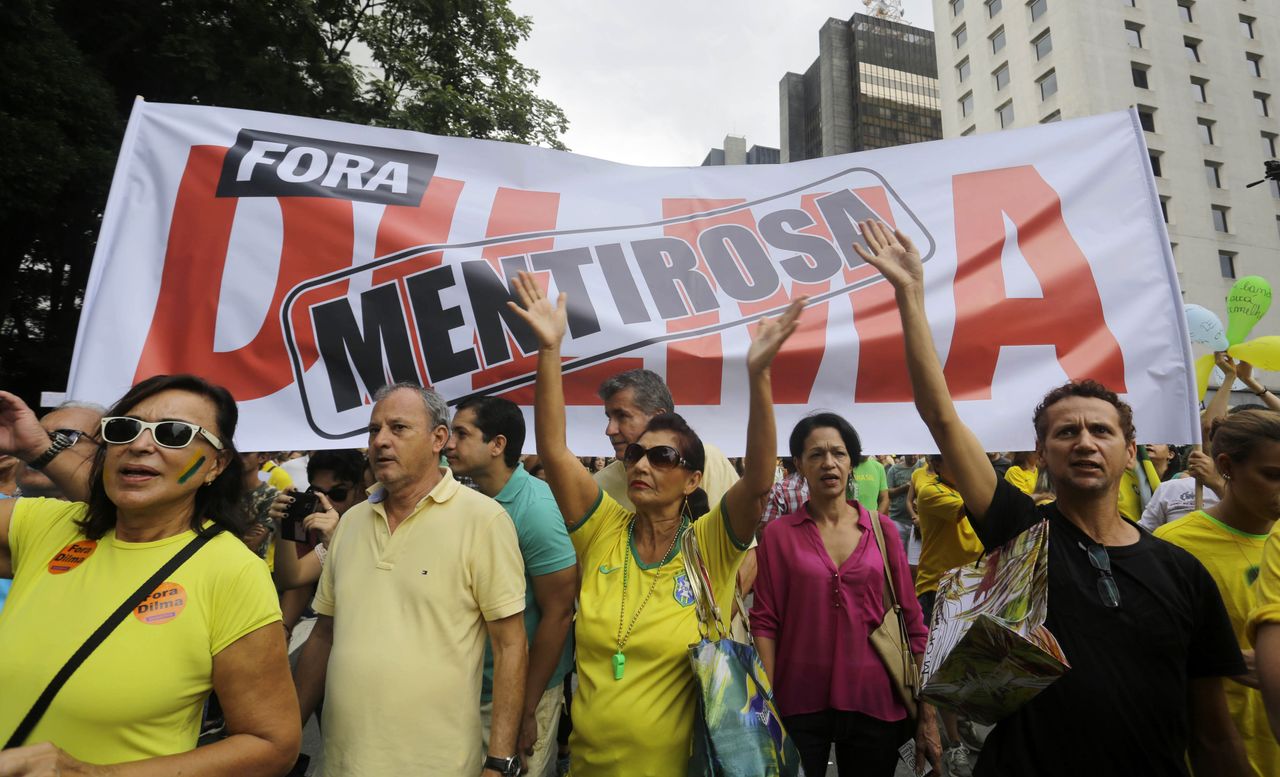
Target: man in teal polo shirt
(487,435)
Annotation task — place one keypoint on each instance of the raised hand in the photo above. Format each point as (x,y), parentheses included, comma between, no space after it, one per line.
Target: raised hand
(892,253)
(547,321)
(324,520)
(771,334)
(1228,367)
(21,434)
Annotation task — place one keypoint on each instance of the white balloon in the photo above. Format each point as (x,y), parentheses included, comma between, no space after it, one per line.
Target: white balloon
(1205,327)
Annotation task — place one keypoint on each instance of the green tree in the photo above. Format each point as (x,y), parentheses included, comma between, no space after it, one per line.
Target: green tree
(72,69)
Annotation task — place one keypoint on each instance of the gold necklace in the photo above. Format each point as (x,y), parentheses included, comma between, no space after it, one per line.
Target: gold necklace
(620,660)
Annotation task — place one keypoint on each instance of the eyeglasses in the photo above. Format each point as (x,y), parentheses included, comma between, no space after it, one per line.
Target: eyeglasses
(1107,588)
(659,456)
(335,494)
(76,435)
(122,430)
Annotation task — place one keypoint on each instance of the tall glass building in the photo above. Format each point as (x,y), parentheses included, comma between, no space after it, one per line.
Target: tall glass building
(873,85)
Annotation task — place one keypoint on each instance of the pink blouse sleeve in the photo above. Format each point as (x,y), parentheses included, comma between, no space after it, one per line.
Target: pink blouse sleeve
(903,585)
(768,593)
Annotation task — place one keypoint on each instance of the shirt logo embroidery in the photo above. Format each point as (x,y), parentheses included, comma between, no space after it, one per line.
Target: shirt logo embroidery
(72,556)
(683,590)
(605,569)
(163,605)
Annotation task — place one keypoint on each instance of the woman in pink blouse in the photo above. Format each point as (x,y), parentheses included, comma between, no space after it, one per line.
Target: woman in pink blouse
(818,597)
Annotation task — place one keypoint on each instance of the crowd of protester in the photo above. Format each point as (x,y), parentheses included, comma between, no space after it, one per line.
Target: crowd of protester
(480,611)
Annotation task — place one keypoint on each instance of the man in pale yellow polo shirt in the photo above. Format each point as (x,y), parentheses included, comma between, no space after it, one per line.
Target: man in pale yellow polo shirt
(414,579)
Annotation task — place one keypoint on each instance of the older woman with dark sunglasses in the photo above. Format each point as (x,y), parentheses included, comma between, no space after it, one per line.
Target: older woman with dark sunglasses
(634,711)
(167,473)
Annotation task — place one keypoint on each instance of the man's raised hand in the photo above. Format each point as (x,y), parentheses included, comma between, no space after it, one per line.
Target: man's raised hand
(892,253)
(547,321)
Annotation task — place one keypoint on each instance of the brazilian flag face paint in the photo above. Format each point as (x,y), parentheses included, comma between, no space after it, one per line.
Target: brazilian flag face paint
(192,468)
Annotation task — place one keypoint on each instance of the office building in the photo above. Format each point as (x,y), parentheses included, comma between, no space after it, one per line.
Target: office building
(1204,76)
(873,85)
(735,152)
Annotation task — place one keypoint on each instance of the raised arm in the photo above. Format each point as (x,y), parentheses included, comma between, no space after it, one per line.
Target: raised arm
(22,435)
(896,257)
(745,499)
(575,490)
(1244,371)
(1217,407)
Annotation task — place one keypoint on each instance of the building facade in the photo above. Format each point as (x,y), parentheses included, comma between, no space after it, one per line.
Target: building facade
(873,85)
(1204,76)
(735,152)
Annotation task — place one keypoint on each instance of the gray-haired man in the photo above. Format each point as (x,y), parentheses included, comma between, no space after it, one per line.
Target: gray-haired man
(414,578)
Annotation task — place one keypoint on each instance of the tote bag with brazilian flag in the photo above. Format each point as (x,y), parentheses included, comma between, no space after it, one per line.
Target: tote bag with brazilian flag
(989,651)
(737,732)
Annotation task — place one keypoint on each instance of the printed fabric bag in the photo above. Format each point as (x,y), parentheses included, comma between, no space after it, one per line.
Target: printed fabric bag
(737,731)
(989,651)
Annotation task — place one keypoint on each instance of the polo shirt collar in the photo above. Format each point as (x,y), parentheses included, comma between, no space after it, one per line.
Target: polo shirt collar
(515,484)
(442,492)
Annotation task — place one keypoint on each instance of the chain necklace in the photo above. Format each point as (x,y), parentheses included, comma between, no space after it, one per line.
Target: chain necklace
(620,660)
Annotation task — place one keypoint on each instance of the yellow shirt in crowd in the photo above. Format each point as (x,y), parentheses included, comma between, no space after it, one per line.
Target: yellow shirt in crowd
(718,475)
(402,694)
(641,725)
(1023,479)
(947,540)
(1233,559)
(1130,498)
(141,693)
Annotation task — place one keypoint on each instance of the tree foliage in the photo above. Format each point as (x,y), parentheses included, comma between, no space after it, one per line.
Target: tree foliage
(73,68)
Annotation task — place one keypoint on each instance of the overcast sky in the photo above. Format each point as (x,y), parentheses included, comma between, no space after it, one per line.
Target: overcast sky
(661,82)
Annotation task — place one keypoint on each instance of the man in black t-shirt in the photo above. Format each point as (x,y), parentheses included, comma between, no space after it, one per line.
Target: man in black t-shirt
(1140,621)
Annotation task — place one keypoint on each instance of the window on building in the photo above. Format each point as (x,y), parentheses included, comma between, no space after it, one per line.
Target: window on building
(1038,7)
(993,8)
(1147,119)
(1164,208)
(956,7)
(962,70)
(1274,186)
(1001,75)
(997,40)
(1269,145)
(1051,118)
(969,130)
(1184,10)
(1043,44)
(1220,218)
(1246,26)
(961,36)
(1205,127)
(1133,33)
(1255,64)
(1227,264)
(1155,164)
(1213,174)
(1263,103)
(1130,3)
(1005,112)
(1139,73)
(966,104)
(1192,48)
(1048,84)
(1198,90)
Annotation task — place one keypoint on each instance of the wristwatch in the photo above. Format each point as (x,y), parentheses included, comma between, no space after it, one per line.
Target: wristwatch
(507,767)
(60,443)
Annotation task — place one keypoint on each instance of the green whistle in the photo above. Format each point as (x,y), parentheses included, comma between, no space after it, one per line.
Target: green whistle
(619,663)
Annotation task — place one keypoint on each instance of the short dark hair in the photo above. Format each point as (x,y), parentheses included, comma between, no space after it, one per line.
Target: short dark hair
(494,416)
(650,392)
(218,501)
(1089,389)
(688,441)
(825,420)
(347,465)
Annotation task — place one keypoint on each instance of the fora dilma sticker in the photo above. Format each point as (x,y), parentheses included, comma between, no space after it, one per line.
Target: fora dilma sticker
(683,590)
(72,556)
(163,605)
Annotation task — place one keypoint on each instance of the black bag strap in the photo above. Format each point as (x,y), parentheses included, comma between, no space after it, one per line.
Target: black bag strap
(95,639)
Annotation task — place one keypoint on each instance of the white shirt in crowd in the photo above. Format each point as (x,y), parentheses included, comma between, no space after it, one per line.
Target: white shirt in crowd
(1172,500)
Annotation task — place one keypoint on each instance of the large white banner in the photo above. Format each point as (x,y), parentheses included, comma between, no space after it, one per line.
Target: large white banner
(304,263)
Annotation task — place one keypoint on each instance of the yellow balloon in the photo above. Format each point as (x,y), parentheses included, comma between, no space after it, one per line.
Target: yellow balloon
(1204,368)
(1261,352)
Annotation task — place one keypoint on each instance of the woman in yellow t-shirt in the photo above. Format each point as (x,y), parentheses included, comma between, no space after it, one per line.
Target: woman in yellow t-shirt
(164,469)
(634,712)
(1024,471)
